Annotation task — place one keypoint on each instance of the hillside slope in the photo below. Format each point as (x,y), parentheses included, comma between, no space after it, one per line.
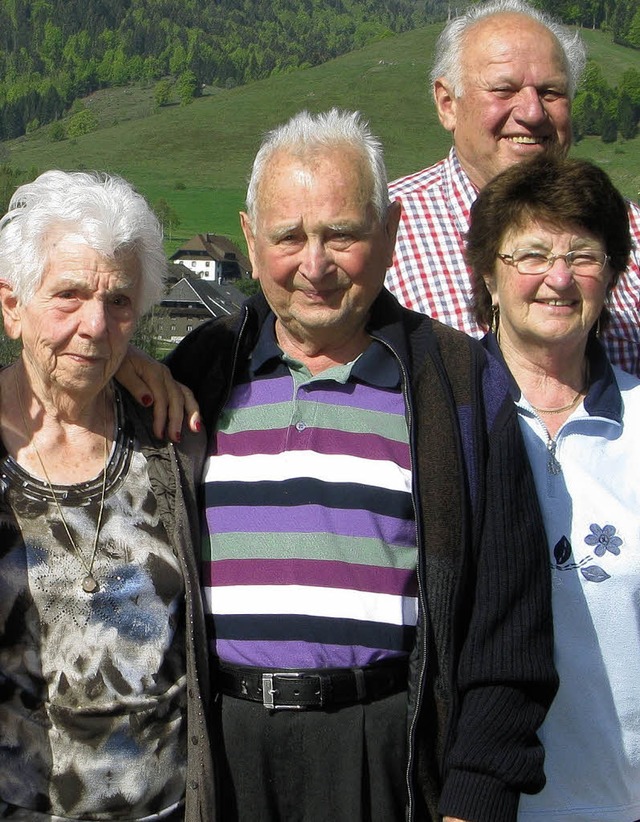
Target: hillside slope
(198,156)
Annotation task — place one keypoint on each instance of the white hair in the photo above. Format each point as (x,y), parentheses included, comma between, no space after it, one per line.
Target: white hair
(103,210)
(447,62)
(306,134)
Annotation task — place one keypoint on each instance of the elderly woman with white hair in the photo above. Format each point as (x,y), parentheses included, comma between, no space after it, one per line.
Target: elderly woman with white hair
(103,669)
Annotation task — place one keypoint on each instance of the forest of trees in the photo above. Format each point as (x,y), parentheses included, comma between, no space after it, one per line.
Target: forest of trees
(53,52)
(599,109)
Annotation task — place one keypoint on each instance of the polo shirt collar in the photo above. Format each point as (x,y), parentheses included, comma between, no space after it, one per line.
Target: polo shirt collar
(376,366)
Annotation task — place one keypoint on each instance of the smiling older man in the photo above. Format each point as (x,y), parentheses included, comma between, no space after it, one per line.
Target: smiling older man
(503,78)
(374,565)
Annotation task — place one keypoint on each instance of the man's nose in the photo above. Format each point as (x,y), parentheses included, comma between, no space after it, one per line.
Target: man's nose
(529,107)
(316,260)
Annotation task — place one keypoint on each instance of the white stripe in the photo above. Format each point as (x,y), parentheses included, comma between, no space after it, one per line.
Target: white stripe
(311,601)
(310,464)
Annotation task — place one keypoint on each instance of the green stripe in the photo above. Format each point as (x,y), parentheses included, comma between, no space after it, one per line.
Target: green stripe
(332,417)
(356,550)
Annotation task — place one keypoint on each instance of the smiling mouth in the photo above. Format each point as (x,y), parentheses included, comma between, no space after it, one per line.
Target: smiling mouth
(524,140)
(558,303)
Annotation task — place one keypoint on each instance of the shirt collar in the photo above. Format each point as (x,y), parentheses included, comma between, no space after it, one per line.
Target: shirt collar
(603,397)
(458,189)
(266,348)
(376,366)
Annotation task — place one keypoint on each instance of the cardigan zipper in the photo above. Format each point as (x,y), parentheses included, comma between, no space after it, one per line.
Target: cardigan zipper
(422,610)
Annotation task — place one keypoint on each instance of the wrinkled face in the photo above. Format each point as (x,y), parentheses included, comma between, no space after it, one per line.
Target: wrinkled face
(515,100)
(76,328)
(318,249)
(555,308)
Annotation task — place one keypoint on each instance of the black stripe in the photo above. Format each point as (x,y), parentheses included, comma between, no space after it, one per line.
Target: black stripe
(324,630)
(305,491)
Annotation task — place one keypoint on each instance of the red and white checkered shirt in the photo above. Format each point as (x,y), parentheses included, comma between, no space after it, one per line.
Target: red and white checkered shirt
(429,272)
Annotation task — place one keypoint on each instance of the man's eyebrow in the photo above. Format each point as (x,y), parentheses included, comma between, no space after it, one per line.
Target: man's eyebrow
(284,229)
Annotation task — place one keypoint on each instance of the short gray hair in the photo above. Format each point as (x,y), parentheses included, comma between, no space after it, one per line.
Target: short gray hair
(105,210)
(449,46)
(306,134)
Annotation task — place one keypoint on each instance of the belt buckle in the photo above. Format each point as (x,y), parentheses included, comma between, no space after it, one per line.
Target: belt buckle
(269,692)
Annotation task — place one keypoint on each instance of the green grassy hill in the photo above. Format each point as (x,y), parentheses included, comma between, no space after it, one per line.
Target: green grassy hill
(198,157)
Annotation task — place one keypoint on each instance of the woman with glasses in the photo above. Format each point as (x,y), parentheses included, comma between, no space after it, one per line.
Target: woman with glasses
(547,242)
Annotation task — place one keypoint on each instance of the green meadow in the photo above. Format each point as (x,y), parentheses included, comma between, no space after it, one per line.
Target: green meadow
(198,157)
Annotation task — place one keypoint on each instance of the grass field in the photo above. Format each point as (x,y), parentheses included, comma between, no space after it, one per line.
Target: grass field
(198,157)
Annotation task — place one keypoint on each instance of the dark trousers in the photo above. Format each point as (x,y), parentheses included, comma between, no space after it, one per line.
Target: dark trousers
(343,765)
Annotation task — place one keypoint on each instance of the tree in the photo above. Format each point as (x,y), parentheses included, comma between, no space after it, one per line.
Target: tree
(630,85)
(52,46)
(57,132)
(249,287)
(587,113)
(609,129)
(168,216)
(83,122)
(633,32)
(146,336)
(162,92)
(626,119)
(187,87)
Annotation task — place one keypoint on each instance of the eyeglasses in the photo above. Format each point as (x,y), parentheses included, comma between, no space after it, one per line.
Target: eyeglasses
(587,262)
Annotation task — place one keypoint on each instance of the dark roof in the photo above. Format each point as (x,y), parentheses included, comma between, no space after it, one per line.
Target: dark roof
(219,300)
(214,246)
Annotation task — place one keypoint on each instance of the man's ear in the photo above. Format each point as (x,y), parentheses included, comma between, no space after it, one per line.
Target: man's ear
(10,311)
(446,103)
(247,230)
(391,229)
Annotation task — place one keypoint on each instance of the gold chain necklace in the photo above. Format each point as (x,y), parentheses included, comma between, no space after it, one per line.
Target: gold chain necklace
(89,583)
(574,401)
(559,410)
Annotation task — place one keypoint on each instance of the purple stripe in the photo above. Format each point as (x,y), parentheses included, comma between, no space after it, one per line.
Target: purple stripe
(311,519)
(297,654)
(262,392)
(309,572)
(324,441)
(280,389)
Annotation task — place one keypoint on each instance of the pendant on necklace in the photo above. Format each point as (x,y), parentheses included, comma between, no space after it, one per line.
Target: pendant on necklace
(89,585)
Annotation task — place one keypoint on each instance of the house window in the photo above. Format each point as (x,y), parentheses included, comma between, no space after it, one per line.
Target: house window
(193,263)
(207,264)
(173,327)
(189,328)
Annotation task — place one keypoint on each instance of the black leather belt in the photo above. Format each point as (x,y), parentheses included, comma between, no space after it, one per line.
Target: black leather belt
(312,687)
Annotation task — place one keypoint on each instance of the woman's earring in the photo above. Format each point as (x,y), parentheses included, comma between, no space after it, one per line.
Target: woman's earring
(495,318)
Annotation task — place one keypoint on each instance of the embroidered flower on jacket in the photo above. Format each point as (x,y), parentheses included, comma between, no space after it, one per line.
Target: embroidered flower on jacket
(604,539)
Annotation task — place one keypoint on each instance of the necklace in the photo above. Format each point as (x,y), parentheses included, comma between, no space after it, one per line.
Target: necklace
(574,401)
(89,583)
(567,407)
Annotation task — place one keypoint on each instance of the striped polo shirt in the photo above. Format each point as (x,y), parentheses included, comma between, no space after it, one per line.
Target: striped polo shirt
(309,551)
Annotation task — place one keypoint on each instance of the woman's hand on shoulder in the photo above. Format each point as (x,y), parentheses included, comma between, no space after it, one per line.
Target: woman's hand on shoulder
(150,383)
